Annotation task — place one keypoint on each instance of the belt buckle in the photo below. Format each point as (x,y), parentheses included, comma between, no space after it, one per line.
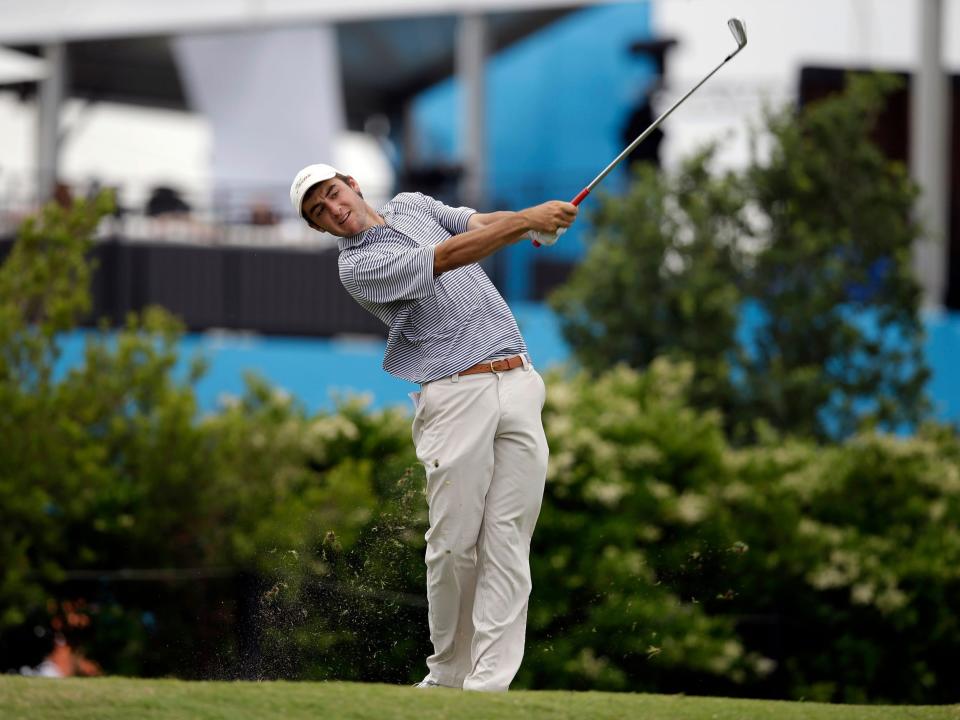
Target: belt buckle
(493,365)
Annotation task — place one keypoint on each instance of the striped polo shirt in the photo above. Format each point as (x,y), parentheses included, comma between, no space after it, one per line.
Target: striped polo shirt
(438,325)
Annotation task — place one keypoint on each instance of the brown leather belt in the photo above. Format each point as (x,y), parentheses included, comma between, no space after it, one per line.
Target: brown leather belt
(495,366)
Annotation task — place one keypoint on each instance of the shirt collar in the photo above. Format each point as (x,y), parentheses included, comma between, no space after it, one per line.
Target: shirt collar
(372,233)
(352,241)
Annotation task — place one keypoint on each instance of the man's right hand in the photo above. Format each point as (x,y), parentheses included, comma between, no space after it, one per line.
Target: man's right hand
(550,216)
(487,237)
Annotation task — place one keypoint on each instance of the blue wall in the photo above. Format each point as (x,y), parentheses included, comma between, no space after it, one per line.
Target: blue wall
(313,370)
(556,105)
(943,351)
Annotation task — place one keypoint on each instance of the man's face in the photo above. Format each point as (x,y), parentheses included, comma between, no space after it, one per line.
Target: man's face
(336,207)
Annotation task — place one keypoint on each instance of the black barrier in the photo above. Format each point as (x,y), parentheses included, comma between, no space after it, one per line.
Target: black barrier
(892,135)
(273,291)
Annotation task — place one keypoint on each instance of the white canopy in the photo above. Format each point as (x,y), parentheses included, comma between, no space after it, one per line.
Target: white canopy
(42,21)
(16,67)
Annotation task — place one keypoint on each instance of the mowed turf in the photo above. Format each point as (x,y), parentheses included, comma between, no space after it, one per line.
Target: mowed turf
(120,698)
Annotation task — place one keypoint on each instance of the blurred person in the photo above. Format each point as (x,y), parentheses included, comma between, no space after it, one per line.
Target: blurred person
(64,660)
(642,116)
(166,201)
(63,195)
(94,188)
(262,214)
(477,424)
(639,119)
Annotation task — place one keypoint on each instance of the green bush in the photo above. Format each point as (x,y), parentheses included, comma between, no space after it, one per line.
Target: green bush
(855,549)
(325,516)
(634,540)
(109,467)
(102,468)
(666,559)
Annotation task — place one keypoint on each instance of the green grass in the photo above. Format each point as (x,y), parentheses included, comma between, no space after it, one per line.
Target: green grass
(119,698)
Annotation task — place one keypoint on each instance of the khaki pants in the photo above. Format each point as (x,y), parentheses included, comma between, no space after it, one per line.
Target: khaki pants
(481,440)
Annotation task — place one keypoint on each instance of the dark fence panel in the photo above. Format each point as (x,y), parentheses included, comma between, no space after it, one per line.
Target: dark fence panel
(271,291)
(892,135)
(548,275)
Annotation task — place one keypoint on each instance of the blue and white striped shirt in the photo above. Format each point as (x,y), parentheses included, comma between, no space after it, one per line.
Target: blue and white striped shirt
(438,325)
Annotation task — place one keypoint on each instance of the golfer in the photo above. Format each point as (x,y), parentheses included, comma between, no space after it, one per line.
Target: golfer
(477,427)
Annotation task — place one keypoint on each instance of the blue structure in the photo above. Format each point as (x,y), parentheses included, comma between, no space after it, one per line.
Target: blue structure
(312,370)
(557,103)
(942,351)
(315,370)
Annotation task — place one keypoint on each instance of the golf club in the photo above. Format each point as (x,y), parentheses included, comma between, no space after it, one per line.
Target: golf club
(739,31)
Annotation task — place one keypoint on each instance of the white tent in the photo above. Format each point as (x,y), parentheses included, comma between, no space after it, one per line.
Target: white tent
(43,21)
(16,67)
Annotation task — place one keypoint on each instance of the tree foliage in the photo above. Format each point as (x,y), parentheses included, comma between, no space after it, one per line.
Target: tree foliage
(788,285)
(232,523)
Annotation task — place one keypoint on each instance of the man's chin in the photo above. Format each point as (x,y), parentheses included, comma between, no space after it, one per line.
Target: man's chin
(350,229)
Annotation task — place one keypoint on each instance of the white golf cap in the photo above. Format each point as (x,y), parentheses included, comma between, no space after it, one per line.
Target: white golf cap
(306,179)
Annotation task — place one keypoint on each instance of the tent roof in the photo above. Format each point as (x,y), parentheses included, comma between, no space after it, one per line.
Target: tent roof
(42,21)
(412,53)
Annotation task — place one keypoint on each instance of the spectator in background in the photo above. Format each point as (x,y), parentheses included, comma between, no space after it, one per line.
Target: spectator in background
(63,195)
(166,201)
(64,659)
(262,214)
(642,116)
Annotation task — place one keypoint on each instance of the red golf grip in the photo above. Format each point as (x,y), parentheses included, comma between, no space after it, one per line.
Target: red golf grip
(576,201)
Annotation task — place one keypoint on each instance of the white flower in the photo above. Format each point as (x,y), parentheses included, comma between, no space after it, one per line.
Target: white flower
(863,593)
(692,508)
(607,494)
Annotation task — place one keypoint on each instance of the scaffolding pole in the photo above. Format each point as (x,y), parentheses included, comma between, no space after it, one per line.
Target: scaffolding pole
(929,152)
(49,101)
(471,53)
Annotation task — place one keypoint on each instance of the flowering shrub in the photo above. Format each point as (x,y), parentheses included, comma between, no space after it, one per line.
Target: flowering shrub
(666,559)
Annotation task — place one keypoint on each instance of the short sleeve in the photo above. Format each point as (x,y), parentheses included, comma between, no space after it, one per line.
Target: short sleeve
(387,275)
(453,220)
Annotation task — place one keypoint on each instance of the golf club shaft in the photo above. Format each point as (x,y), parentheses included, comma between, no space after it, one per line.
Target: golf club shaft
(581,196)
(739,34)
(643,136)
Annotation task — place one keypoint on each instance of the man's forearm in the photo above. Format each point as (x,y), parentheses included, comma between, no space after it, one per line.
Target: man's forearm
(469,247)
(479,220)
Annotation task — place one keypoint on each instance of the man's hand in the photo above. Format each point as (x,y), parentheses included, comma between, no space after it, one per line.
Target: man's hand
(550,216)
(488,233)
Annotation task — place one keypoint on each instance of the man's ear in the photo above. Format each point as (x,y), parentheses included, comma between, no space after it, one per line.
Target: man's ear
(354,185)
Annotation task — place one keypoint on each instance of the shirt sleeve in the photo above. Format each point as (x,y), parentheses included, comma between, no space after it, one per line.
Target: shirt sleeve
(453,220)
(384,276)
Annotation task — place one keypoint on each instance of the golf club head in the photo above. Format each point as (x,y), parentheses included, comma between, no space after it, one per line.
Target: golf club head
(739,31)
